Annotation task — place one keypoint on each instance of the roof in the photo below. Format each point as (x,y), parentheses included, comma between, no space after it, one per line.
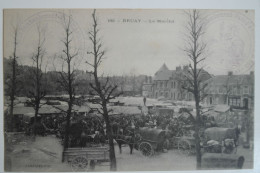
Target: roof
(137,101)
(93,106)
(232,79)
(152,134)
(165,74)
(219,133)
(221,108)
(163,67)
(128,88)
(128,110)
(47,109)
(22,110)
(187,115)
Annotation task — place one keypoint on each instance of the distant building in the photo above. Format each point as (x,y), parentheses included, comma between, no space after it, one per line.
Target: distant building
(234,90)
(147,88)
(168,84)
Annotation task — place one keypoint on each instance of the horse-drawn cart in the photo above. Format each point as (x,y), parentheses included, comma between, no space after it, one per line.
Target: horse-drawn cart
(83,159)
(152,140)
(185,144)
(220,149)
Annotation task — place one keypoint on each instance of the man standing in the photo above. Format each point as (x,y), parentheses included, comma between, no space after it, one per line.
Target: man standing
(144,101)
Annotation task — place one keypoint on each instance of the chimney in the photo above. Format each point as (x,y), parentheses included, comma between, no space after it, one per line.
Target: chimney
(178,68)
(185,67)
(230,73)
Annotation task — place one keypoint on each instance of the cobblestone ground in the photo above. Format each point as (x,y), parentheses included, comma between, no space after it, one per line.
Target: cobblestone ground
(45,155)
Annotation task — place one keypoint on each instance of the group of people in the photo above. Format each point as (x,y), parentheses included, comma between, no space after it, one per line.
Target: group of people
(87,127)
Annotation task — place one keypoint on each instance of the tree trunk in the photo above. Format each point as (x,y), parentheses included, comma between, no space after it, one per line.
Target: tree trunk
(12,97)
(13,90)
(112,156)
(12,123)
(197,123)
(70,104)
(197,137)
(66,139)
(35,119)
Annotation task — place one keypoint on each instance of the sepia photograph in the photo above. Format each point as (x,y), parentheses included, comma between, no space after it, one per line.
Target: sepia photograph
(128,89)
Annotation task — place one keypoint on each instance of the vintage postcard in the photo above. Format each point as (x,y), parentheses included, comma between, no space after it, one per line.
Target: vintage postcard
(128,89)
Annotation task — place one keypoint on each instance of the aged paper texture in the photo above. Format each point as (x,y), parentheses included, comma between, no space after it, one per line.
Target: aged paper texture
(128,89)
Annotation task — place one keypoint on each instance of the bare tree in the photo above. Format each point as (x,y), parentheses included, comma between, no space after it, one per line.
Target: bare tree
(105,90)
(67,79)
(38,91)
(181,82)
(195,50)
(227,90)
(11,81)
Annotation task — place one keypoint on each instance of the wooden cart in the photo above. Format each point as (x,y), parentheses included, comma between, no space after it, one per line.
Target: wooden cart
(185,144)
(152,140)
(224,157)
(84,159)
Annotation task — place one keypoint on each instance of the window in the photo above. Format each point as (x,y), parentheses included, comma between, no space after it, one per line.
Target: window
(246,90)
(235,102)
(220,90)
(172,85)
(234,90)
(239,90)
(238,102)
(161,84)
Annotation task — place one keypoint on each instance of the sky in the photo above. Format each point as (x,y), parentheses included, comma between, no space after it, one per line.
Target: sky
(136,41)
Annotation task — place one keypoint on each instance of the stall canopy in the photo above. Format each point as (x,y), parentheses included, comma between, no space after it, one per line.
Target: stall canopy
(152,134)
(47,109)
(219,133)
(125,110)
(222,108)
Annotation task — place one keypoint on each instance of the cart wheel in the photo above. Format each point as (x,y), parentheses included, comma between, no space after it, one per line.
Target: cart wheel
(184,147)
(146,149)
(79,164)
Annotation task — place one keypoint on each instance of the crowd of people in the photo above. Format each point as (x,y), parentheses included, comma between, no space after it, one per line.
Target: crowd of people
(94,126)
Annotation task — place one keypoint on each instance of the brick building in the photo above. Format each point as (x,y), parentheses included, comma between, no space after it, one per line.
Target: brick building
(234,90)
(167,84)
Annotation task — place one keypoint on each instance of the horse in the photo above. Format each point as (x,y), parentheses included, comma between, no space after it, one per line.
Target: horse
(122,139)
(130,139)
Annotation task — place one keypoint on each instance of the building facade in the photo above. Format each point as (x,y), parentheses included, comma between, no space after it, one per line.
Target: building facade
(234,90)
(147,87)
(168,84)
